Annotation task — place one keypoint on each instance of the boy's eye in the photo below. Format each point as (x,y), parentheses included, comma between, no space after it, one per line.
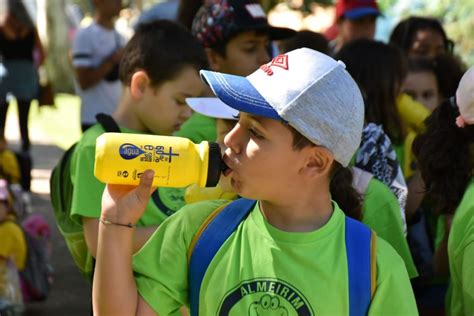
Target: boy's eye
(181,102)
(255,133)
(250,49)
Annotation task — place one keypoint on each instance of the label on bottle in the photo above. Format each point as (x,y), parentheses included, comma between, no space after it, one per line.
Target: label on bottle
(147,153)
(122,158)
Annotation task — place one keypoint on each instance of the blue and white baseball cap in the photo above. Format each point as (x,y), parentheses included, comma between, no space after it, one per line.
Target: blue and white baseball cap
(310,91)
(212,107)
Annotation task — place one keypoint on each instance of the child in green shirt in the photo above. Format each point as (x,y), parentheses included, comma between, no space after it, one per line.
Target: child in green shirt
(158,70)
(301,118)
(445,153)
(379,208)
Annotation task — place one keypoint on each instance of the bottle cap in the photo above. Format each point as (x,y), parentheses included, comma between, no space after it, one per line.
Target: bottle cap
(215,165)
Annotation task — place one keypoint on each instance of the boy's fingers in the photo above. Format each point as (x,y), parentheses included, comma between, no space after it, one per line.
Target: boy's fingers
(146,181)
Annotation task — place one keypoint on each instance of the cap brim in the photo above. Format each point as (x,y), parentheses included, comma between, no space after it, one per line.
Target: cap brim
(238,93)
(279,33)
(212,107)
(274,33)
(361,12)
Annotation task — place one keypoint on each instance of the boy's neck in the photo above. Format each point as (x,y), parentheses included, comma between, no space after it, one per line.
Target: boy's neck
(104,21)
(124,114)
(303,216)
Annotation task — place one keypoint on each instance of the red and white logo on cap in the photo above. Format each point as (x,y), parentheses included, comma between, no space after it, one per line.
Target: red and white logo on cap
(279,61)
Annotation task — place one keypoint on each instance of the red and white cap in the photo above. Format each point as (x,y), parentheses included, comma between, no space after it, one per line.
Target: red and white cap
(310,91)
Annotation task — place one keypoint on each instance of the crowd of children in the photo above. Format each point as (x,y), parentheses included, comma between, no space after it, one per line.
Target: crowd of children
(291,108)
(348,179)
(290,205)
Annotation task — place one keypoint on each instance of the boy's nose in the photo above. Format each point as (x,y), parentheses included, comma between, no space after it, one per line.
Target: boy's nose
(186,112)
(231,140)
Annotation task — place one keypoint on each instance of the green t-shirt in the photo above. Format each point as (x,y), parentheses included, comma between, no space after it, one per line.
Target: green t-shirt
(198,128)
(381,212)
(87,195)
(261,270)
(460,297)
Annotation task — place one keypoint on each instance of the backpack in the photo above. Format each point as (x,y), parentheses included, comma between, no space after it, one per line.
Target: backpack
(220,224)
(37,277)
(61,191)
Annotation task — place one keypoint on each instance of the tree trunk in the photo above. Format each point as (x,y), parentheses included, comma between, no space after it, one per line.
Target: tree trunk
(57,45)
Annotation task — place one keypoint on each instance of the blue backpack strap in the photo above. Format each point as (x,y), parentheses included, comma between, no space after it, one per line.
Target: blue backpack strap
(209,239)
(360,251)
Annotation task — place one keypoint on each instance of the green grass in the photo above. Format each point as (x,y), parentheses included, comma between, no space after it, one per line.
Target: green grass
(61,123)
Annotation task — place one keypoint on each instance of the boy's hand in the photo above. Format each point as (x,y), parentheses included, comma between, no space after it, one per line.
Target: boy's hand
(125,204)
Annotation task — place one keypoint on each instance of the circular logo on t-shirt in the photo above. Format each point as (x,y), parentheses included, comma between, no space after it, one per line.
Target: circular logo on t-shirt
(265,297)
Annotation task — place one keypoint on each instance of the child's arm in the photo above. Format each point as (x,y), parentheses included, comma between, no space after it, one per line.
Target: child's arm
(39,50)
(114,289)
(91,232)
(87,74)
(86,200)
(87,77)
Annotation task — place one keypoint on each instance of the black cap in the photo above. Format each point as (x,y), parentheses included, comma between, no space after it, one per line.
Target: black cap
(216,20)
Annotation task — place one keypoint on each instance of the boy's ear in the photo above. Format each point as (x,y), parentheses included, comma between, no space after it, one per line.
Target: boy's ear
(138,84)
(318,162)
(214,59)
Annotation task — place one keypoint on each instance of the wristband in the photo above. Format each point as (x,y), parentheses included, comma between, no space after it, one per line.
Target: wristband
(106,222)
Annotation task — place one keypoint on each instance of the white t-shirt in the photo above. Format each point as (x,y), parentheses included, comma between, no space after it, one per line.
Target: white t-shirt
(92,45)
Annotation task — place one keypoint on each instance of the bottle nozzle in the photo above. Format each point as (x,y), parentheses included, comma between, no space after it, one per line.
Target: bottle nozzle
(224,166)
(215,165)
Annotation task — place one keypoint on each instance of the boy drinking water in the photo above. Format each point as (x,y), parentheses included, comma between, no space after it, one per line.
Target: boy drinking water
(301,117)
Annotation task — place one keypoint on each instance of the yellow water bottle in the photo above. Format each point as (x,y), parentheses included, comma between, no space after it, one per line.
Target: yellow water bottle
(412,112)
(121,158)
